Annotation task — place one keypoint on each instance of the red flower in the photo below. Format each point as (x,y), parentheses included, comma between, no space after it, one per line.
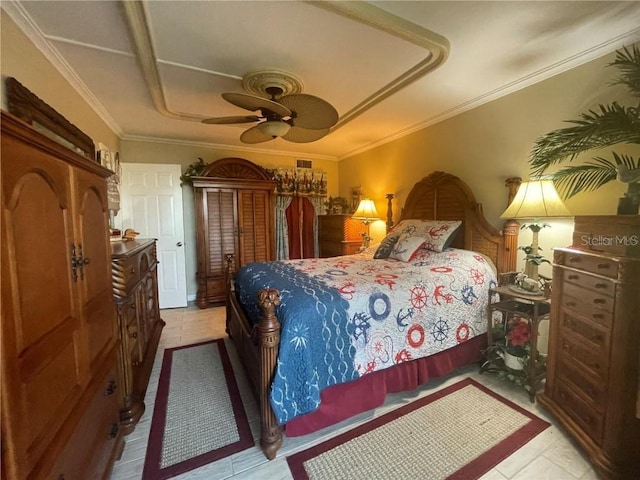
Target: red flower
(519,334)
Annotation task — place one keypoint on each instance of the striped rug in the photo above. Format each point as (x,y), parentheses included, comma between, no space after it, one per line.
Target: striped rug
(460,432)
(198,416)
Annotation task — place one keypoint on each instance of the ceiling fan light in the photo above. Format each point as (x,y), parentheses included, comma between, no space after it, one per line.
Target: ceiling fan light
(274,128)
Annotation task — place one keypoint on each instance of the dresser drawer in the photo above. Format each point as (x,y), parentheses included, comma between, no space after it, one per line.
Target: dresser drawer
(584,354)
(598,315)
(591,389)
(588,300)
(597,284)
(587,418)
(88,451)
(588,262)
(594,334)
(125,274)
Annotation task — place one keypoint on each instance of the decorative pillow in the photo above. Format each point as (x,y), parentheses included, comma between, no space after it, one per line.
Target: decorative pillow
(386,246)
(405,247)
(438,234)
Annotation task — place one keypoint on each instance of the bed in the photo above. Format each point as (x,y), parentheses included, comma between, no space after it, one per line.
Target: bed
(299,396)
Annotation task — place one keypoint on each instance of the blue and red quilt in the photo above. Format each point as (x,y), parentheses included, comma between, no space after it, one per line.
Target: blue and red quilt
(344,317)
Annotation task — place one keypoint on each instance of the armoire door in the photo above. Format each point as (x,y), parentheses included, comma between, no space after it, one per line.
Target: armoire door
(41,321)
(254,217)
(221,237)
(94,250)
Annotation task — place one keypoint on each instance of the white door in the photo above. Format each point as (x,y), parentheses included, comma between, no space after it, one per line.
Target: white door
(151,203)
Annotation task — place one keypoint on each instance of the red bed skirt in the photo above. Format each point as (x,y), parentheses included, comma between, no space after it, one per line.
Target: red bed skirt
(370,391)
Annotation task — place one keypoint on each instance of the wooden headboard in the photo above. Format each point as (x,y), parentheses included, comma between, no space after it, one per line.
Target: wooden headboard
(442,196)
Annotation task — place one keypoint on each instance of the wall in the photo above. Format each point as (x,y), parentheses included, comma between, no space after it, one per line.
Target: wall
(490,143)
(23,61)
(183,155)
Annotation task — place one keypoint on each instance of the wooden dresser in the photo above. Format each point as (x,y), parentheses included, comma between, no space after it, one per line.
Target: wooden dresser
(593,371)
(234,210)
(339,235)
(135,289)
(60,415)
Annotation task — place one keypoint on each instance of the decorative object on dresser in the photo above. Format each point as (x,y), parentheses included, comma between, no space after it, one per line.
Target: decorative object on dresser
(339,235)
(366,213)
(234,216)
(59,337)
(135,289)
(535,199)
(513,342)
(593,385)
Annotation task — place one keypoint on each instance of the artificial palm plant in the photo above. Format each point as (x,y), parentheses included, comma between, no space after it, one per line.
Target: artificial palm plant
(604,127)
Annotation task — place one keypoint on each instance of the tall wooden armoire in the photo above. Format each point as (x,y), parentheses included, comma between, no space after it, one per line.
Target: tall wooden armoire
(60,413)
(234,207)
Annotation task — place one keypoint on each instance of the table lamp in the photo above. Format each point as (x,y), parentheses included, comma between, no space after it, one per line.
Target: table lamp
(535,199)
(367,213)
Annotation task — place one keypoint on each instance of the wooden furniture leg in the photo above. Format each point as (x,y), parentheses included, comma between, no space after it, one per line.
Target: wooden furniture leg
(269,334)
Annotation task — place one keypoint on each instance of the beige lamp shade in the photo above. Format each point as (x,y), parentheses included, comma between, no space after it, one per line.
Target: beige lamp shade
(366,211)
(536,199)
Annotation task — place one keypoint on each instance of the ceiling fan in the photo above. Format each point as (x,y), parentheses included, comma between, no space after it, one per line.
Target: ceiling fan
(295,117)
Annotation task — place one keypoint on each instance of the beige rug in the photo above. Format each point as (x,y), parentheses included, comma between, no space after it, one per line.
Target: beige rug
(198,416)
(460,432)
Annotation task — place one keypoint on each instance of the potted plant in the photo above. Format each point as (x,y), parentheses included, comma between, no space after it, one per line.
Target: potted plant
(193,170)
(513,348)
(607,126)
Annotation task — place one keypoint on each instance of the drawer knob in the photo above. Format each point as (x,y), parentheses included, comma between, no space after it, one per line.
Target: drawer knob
(599,301)
(132,270)
(571,304)
(133,334)
(601,285)
(603,266)
(574,259)
(598,315)
(573,277)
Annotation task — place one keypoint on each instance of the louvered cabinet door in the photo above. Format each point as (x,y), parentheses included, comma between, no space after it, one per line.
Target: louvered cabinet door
(254,220)
(220,239)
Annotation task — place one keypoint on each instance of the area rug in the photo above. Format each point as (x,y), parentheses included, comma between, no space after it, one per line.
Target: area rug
(198,416)
(460,432)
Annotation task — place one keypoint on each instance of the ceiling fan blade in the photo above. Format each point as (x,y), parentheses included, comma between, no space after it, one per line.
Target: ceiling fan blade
(253,103)
(230,120)
(254,135)
(310,111)
(304,135)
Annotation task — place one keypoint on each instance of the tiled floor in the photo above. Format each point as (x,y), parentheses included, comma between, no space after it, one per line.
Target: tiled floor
(551,455)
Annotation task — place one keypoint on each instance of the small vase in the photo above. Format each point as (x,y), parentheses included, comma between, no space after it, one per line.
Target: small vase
(512,361)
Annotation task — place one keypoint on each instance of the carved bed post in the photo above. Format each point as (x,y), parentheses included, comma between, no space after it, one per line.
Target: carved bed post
(229,271)
(390,197)
(269,338)
(511,228)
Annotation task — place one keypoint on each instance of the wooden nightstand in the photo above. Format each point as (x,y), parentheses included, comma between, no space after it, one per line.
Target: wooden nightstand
(339,235)
(515,303)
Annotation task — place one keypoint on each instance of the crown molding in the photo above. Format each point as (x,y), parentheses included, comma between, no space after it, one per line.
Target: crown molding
(219,146)
(23,20)
(604,48)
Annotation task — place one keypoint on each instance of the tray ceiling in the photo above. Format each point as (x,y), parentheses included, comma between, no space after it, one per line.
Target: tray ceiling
(154,69)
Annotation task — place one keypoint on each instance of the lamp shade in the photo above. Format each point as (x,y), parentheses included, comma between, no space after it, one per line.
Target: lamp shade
(274,128)
(366,210)
(536,199)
